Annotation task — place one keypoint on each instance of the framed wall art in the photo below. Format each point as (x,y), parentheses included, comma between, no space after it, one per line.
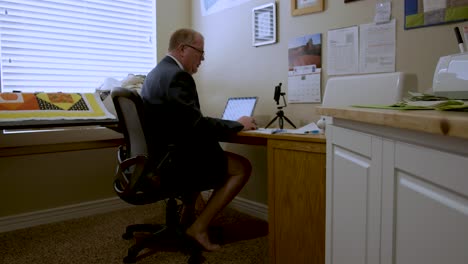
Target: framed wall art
(302,7)
(264,24)
(420,13)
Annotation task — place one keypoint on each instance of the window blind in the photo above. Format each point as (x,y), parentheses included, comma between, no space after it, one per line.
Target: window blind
(74,45)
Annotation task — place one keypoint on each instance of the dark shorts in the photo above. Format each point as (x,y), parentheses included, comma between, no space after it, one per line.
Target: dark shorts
(192,171)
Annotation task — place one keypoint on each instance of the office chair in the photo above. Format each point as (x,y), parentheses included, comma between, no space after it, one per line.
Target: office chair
(138,182)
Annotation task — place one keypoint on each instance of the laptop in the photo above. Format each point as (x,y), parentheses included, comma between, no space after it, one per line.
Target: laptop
(239,106)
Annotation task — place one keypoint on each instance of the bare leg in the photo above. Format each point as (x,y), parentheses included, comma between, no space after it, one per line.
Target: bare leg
(239,169)
(193,206)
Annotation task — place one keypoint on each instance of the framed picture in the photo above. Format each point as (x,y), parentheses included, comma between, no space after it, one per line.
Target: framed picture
(429,13)
(264,24)
(302,7)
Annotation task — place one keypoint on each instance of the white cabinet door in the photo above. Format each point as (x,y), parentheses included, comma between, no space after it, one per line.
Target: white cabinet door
(424,206)
(353,196)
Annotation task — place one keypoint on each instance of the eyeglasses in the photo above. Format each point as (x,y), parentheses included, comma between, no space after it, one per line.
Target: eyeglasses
(202,52)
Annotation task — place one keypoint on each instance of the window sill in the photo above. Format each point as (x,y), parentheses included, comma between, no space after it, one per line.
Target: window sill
(38,141)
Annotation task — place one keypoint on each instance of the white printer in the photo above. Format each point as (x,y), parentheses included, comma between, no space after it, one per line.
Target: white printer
(451,77)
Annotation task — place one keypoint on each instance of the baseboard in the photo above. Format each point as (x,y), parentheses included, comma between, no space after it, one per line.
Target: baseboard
(246,206)
(250,207)
(10,223)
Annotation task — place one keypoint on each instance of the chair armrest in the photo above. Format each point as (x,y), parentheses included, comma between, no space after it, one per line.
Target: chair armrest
(129,173)
(121,153)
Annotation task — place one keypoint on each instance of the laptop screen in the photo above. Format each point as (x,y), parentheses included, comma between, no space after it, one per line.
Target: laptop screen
(239,106)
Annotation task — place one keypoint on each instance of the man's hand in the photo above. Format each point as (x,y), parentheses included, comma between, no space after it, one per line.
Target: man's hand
(248,122)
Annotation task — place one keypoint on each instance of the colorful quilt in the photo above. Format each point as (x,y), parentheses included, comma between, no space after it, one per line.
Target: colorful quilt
(52,106)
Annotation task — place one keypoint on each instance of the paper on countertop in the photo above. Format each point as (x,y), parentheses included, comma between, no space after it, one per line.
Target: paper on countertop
(311,128)
(433,103)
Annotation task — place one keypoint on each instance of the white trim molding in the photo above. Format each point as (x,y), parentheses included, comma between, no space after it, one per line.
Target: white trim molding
(245,206)
(10,223)
(250,207)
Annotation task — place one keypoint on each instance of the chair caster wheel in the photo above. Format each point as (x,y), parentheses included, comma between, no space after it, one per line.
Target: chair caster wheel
(127,236)
(128,260)
(196,258)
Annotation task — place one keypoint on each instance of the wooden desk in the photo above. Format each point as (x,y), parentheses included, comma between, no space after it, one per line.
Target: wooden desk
(296,195)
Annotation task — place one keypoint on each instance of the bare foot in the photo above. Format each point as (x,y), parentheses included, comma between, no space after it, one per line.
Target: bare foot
(202,239)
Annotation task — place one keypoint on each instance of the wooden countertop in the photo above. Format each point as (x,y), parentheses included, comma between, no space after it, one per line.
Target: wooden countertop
(432,121)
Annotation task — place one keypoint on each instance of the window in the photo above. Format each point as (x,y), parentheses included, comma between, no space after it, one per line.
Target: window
(74,45)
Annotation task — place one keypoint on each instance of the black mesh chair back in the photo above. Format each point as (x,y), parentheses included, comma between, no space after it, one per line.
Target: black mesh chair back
(134,173)
(129,108)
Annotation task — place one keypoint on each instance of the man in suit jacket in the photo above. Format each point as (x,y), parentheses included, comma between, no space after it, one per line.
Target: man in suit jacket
(175,117)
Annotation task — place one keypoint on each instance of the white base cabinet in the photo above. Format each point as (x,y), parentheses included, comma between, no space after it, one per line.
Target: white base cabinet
(390,201)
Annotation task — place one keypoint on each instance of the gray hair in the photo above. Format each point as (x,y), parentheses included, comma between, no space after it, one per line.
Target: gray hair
(182,36)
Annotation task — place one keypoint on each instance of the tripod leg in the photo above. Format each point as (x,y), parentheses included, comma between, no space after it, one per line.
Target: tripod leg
(289,121)
(271,122)
(281,122)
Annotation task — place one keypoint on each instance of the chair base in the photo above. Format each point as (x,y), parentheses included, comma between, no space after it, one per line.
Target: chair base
(161,234)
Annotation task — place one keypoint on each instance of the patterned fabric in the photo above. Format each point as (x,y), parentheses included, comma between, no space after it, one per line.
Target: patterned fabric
(420,13)
(51,106)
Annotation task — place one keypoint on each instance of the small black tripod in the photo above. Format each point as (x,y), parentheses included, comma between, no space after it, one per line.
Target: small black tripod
(280,113)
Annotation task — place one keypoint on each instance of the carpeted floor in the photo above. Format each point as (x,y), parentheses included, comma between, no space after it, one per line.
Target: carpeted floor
(98,240)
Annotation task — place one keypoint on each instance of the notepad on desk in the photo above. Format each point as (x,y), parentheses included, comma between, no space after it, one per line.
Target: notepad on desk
(311,128)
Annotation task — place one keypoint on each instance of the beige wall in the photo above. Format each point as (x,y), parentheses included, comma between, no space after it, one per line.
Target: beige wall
(233,67)
(170,16)
(37,182)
